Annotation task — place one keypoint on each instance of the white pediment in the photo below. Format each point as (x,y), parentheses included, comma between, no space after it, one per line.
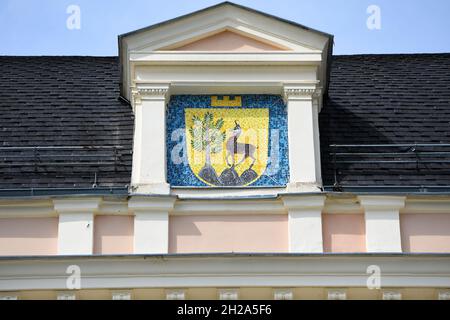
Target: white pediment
(227,41)
(222,34)
(224,50)
(226,16)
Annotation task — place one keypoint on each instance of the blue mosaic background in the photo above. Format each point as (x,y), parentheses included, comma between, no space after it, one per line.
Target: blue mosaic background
(180,174)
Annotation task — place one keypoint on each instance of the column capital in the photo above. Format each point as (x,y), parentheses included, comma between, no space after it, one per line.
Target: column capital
(78,205)
(301,202)
(382,203)
(150,91)
(148,204)
(301,91)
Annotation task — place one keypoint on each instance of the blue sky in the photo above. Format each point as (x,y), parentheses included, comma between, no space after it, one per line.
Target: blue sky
(30,27)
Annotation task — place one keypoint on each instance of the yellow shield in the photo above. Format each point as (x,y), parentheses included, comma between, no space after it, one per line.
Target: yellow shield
(227,147)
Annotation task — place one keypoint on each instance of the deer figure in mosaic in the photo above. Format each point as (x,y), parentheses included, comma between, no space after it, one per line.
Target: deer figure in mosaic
(233,147)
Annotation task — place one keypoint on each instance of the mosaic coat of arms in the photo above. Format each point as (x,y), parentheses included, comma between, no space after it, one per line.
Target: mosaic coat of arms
(227,141)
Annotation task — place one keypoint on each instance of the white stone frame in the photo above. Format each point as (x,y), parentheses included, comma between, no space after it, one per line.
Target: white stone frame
(152,73)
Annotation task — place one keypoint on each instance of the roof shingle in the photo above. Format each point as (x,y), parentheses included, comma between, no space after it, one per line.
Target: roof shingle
(74,102)
(63,101)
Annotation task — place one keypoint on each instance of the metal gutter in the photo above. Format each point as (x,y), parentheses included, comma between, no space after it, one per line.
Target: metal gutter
(389,190)
(28,193)
(39,192)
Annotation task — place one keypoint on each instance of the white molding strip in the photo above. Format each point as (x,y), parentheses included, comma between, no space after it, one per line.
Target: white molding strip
(225,271)
(185,57)
(209,202)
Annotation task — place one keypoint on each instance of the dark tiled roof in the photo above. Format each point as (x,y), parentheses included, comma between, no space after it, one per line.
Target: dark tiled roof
(387,99)
(63,101)
(73,102)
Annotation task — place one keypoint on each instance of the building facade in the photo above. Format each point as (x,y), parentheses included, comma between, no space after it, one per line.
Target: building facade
(225,154)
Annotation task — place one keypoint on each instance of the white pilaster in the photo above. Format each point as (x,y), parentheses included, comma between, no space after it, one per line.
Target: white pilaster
(305,223)
(151,224)
(303,135)
(76,225)
(149,149)
(382,222)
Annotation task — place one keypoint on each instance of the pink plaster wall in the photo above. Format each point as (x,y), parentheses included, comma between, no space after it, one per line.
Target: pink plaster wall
(425,232)
(228,233)
(113,234)
(343,233)
(28,236)
(228,41)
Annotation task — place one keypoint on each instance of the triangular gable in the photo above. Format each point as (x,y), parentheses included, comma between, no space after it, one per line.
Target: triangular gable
(228,41)
(225,28)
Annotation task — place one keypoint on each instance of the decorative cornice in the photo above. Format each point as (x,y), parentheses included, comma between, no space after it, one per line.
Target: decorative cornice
(152,91)
(302,91)
(299,92)
(149,92)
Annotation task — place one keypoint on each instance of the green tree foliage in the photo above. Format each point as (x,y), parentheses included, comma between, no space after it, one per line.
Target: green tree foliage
(206,135)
